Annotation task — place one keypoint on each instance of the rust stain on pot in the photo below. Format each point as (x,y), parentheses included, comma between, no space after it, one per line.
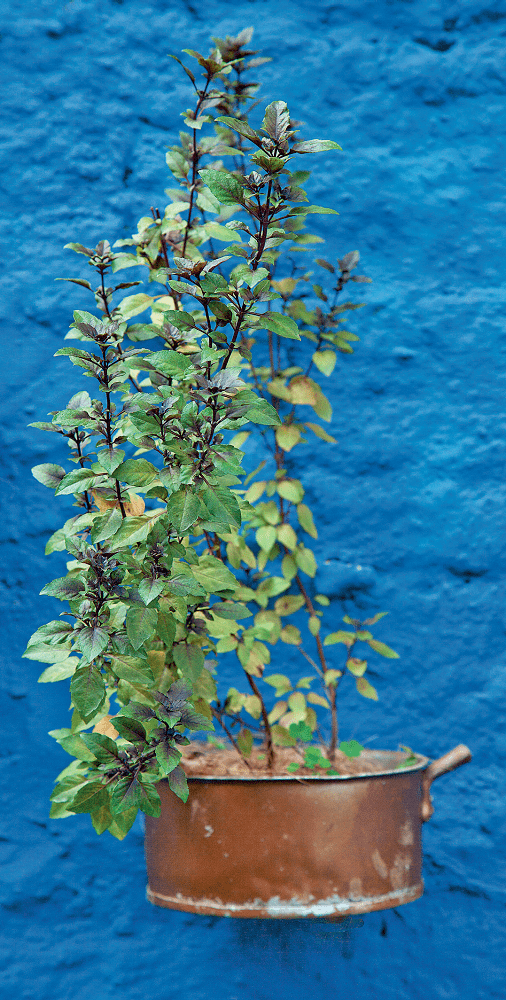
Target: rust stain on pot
(399,871)
(356,891)
(406,837)
(379,864)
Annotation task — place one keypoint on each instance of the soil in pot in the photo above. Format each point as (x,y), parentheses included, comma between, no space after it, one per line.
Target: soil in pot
(205,760)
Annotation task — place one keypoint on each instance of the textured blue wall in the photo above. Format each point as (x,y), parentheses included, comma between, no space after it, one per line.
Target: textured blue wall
(413,502)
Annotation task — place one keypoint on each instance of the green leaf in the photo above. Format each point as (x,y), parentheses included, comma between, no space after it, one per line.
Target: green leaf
(306,520)
(48,474)
(132,530)
(301,731)
(101,818)
(178,784)
(348,638)
(140,624)
(89,798)
(366,689)
(172,364)
(189,660)
(102,747)
(110,458)
(287,436)
(314,146)
(136,472)
(222,506)
(122,823)
(383,649)
(352,748)
(106,525)
(225,187)
(76,747)
(126,793)
(59,671)
(132,669)
(284,326)
(150,589)
(130,729)
(214,576)
(263,413)
(183,509)
(124,260)
(290,489)
(185,585)
(77,482)
(166,623)
(45,653)
(132,305)
(230,611)
(92,641)
(167,756)
(87,690)
(313,210)
(279,681)
(65,588)
(180,319)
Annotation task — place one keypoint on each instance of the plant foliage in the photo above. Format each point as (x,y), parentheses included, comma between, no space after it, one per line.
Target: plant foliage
(178,556)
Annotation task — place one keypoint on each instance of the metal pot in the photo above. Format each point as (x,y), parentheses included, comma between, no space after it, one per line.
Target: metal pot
(292,847)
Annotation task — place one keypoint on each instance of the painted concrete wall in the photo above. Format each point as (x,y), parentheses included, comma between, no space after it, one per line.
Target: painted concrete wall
(411,502)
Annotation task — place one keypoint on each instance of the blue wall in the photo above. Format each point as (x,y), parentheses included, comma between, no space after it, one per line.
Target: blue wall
(412,504)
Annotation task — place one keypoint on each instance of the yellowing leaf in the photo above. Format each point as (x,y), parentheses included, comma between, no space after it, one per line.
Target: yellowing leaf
(356,667)
(306,520)
(255,491)
(317,699)
(321,433)
(289,604)
(105,727)
(325,361)
(306,561)
(287,436)
(266,537)
(366,689)
(134,508)
(291,635)
(286,535)
(381,647)
(314,625)
(303,390)
(290,489)
(348,638)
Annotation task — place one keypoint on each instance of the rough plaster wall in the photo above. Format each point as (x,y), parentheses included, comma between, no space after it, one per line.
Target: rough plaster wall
(410,503)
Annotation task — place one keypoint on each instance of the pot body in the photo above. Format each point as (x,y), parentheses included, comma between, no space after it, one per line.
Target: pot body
(288,847)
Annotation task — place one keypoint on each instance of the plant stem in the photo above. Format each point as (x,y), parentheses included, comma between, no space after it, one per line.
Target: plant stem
(268,732)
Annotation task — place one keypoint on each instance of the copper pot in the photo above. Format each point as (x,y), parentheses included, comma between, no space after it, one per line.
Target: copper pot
(292,847)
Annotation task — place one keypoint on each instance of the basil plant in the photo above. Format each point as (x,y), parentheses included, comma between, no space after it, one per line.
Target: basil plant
(178,554)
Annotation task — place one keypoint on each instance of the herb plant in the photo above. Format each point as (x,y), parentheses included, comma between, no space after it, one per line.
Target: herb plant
(179,556)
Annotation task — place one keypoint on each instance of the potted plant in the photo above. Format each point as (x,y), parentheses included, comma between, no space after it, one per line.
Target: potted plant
(181,557)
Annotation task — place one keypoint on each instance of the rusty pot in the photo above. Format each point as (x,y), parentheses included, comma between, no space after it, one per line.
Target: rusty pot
(292,847)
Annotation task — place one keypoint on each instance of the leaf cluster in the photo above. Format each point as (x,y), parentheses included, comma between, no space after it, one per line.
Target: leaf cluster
(179,555)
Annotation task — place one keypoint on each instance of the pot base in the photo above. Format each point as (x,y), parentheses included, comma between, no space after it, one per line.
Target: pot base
(288,909)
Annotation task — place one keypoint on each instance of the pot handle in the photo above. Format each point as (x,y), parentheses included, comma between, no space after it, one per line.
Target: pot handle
(448,762)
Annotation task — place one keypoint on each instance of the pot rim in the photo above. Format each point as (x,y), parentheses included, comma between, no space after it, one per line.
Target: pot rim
(421,764)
